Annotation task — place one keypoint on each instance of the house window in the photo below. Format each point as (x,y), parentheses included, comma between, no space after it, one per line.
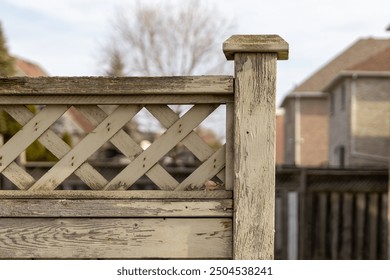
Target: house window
(343,96)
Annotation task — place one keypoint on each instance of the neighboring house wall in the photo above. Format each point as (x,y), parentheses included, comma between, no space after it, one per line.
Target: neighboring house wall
(314,131)
(339,124)
(306,130)
(362,128)
(370,121)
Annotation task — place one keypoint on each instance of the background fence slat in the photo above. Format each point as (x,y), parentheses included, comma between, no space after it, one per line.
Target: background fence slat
(373,226)
(346,234)
(384,226)
(360,225)
(335,224)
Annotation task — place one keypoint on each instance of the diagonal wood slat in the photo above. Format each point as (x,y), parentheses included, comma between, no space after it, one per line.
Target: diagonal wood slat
(29,133)
(59,148)
(86,147)
(129,148)
(193,141)
(180,129)
(205,171)
(18,176)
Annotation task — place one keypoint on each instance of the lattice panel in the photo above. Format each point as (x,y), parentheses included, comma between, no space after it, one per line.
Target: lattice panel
(109,128)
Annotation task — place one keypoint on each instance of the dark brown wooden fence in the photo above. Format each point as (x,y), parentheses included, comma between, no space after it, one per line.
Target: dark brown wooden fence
(331,214)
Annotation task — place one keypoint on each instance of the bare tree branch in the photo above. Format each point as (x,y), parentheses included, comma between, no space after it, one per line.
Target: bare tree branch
(167,40)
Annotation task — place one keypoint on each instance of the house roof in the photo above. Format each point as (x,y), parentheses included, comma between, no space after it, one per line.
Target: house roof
(354,55)
(377,62)
(27,68)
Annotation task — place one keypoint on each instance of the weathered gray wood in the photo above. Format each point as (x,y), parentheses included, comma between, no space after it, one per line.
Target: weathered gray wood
(254,162)
(86,147)
(219,194)
(58,148)
(116,85)
(255,44)
(117,99)
(229,166)
(115,238)
(167,117)
(204,172)
(160,147)
(20,178)
(129,148)
(13,208)
(30,132)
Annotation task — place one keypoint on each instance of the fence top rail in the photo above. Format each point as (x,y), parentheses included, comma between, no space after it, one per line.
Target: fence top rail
(116,85)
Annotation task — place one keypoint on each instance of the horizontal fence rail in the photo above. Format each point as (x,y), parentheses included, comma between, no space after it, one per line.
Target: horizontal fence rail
(123,90)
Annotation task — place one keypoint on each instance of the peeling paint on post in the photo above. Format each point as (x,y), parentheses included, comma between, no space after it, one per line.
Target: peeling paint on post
(254,142)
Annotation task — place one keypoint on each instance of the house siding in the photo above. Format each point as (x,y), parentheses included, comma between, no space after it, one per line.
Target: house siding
(371,122)
(314,131)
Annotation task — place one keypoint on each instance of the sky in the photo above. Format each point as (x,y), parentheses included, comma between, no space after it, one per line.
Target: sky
(65,36)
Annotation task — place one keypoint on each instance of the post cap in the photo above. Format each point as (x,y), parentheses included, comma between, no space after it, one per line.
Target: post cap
(255,44)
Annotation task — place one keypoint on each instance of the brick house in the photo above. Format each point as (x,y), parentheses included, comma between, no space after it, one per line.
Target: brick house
(306,139)
(359,102)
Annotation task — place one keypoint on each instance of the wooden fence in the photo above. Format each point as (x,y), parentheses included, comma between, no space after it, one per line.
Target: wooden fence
(177,221)
(331,214)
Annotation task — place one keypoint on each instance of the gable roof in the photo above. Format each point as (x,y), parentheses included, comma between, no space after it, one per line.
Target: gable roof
(354,55)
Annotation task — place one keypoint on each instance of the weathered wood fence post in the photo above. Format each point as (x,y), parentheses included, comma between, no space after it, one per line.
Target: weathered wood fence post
(254,142)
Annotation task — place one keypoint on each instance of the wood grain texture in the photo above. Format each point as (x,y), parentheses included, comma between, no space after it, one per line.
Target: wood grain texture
(160,147)
(117,99)
(20,178)
(167,117)
(13,208)
(229,166)
(219,194)
(85,148)
(128,147)
(116,85)
(57,147)
(255,44)
(115,238)
(206,171)
(254,160)
(29,133)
